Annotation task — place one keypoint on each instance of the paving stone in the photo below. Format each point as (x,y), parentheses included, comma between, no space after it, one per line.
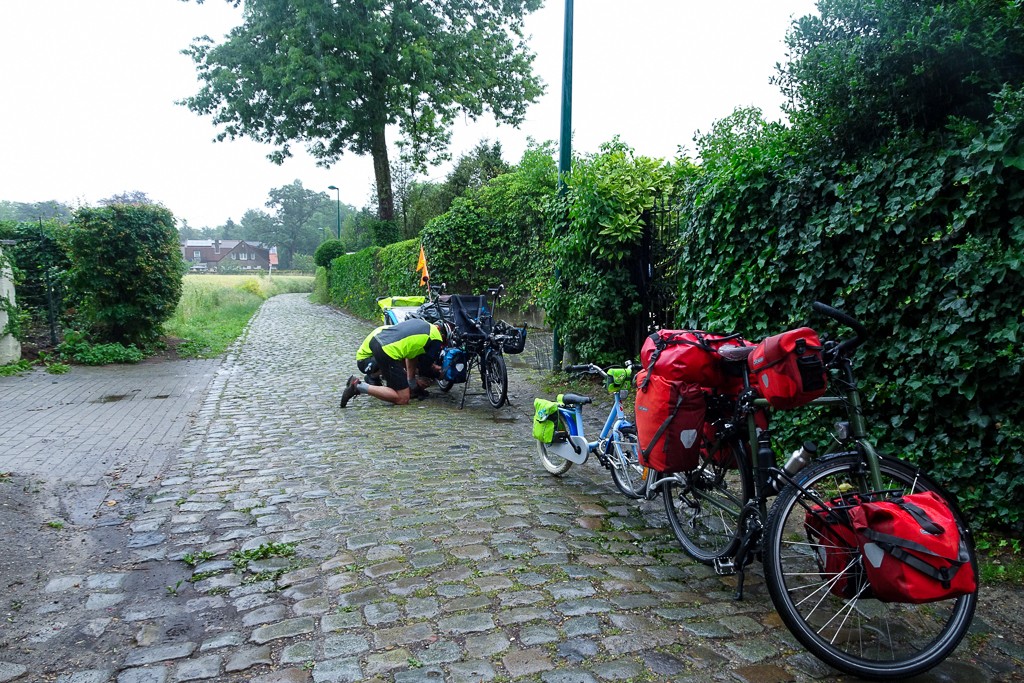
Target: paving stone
(203,668)
(526,662)
(157,674)
(766,673)
(338,671)
(300,652)
(244,659)
(264,615)
(487,644)
(388,660)
(95,676)
(475,671)
(466,623)
(341,621)
(284,629)
(345,646)
(152,655)
(421,674)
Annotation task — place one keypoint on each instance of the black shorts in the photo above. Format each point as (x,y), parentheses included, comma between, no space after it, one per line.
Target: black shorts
(367,365)
(391,371)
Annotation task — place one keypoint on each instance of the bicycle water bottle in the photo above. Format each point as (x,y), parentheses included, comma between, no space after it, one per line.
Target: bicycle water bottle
(800,457)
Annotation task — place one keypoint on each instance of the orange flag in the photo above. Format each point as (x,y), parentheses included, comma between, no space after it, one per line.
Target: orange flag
(421,266)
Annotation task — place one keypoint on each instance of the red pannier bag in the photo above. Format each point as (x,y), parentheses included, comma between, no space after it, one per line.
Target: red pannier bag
(687,355)
(912,549)
(787,368)
(834,543)
(669,422)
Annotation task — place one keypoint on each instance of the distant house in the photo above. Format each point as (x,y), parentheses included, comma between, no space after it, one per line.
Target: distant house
(209,256)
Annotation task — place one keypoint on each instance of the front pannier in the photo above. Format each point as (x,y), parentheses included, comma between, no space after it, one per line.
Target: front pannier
(912,549)
(669,422)
(454,365)
(787,368)
(834,544)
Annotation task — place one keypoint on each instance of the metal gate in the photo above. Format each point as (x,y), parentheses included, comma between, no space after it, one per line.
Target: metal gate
(656,280)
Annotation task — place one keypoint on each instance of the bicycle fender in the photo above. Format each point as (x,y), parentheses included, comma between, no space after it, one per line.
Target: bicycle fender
(566,450)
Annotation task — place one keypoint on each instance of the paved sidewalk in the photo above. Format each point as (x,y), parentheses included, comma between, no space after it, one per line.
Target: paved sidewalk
(429,545)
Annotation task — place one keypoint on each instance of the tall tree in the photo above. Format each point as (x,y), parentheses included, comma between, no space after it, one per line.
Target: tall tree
(335,75)
(860,72)
(294,226)
(133,197)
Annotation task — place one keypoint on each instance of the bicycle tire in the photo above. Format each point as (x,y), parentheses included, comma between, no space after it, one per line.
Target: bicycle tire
(704,508)
(554,464)
(495,379)
(629,475)
(859,636)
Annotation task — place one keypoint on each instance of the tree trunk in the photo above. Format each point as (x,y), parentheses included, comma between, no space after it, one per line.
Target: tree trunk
(382,174)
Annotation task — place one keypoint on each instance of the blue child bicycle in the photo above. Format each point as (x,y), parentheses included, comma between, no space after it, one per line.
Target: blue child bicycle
(561,443)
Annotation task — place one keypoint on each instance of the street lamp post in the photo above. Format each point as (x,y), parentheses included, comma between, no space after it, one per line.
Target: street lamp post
(338,191)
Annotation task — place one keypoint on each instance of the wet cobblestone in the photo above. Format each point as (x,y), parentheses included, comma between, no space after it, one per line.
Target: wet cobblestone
(426,544)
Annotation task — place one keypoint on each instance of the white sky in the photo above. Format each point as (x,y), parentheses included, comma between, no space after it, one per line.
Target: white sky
(88,92)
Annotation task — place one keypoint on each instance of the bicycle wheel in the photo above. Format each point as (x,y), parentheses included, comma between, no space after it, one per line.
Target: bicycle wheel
(554,464)
(857,635)
(495,379)
(629,475)
(704,505)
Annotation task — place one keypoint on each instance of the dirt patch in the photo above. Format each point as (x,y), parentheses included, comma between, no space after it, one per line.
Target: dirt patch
(50,532)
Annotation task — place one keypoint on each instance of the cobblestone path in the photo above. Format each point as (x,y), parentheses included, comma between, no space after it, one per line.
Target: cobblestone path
(429,545)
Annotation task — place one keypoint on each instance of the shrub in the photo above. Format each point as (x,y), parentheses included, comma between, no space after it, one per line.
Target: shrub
(327,252)
(78,349)
(126,271)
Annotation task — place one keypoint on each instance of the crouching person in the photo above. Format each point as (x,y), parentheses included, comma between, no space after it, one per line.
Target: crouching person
(397,351)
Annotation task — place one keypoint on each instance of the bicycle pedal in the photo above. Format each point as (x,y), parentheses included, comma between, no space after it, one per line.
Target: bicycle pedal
(725,566)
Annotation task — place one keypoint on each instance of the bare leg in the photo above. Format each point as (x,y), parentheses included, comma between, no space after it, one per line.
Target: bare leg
(399,398)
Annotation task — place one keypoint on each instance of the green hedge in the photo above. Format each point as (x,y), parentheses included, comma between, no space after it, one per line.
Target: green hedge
(498,234)
(924,243)
(356,281)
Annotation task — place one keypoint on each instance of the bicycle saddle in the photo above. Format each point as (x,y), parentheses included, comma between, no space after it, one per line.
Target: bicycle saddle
(575,399)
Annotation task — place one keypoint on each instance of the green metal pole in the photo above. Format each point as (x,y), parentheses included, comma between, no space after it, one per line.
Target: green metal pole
(338,191)
(565,143)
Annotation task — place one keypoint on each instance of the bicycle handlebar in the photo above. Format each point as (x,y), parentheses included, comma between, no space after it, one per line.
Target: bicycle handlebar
(860,331)
(593,369)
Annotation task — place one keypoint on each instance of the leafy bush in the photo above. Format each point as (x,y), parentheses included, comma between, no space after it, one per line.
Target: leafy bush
(327,252)
(498,234)
(253,286)
(596,246)
(76,348)
(126,271)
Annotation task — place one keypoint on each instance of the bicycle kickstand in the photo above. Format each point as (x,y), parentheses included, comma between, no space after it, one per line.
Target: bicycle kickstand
(747,544)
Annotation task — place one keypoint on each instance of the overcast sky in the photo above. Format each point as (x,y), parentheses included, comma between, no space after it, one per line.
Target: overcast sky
(89,90)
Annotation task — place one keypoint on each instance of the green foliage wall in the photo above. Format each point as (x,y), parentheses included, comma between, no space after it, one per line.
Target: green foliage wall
(356,281)
(126,271)
(498,234)
(352,284)
(599,224)
(924,242)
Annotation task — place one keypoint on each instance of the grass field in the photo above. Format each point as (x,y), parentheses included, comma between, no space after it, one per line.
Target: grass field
(214,309)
